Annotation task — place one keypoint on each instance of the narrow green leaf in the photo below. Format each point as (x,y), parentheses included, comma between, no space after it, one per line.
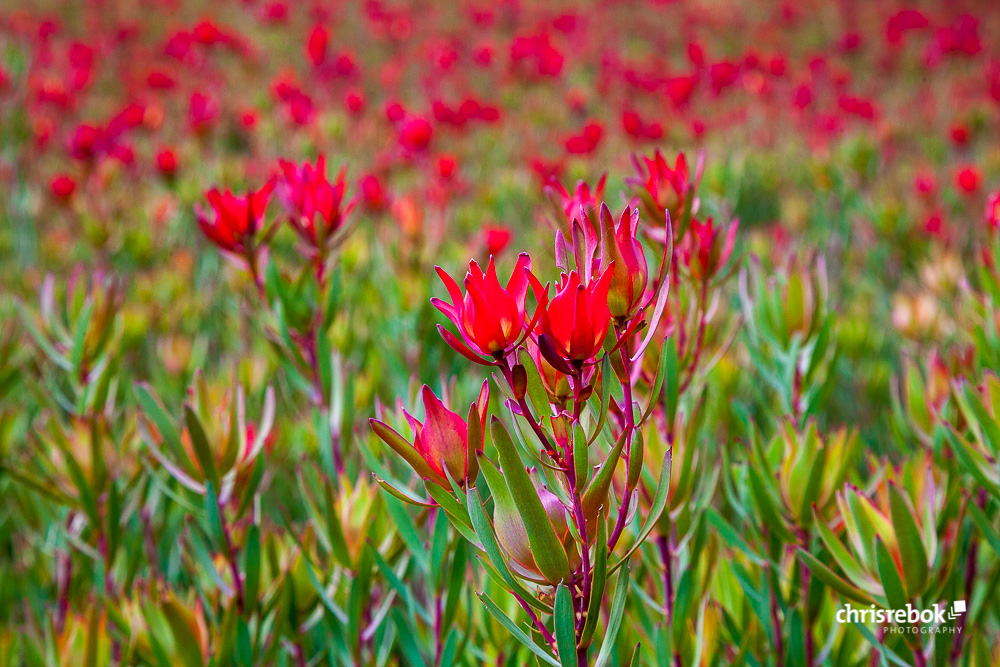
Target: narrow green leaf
(911,544)
(251,566)
(895,592)
(985,527)
(656,507)
(828,577)
(484,531)
(199,443)
(518,633)
(606,379)
(536,390)
(550,556)
(600,580)
(565,627)
(615,619)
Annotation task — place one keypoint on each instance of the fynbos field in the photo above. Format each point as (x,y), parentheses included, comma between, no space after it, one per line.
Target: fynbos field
(402,333)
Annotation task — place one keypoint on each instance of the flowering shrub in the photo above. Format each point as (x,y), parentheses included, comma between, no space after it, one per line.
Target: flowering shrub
(391,333)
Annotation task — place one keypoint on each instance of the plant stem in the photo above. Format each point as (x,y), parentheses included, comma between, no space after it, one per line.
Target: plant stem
(231,557)
(806,576)
(629,430)
(779,644)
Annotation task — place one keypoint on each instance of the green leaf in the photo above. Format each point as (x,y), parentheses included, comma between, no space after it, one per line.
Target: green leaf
(565,627)
(615,619)
(827,576)
(895,592)
(985,527)
(771,517)
(911,544)
(550,556)
(596,493)
(484,531)
(154,411)
(661,373)
(671,381)
(251,567)
(518,633)
(857,574)
(656,508)
(214,513)
(199,443)
(408,640)
(731,537)
(600,573)
(581,456)
(407,530)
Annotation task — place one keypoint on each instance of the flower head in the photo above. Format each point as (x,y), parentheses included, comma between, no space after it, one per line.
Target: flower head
(491,319)
(315,206)
(664,188)
(441,442)
(235,219)
(705,249)
(577,318)
(622,253)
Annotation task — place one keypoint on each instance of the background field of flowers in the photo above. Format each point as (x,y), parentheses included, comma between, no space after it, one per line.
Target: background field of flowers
(225,229)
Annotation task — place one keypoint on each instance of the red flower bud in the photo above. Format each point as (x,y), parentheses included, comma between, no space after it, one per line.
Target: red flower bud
(236,219)
(315,206)
(622,253)
(63,188)
(705,249)
(442,440)
(496,238)
(490,318)
(666,188)
(968,179)
(166,163)
(577,318)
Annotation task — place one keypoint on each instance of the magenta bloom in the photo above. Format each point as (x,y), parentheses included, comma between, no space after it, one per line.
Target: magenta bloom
(315,206)
(491,319)
(235,219)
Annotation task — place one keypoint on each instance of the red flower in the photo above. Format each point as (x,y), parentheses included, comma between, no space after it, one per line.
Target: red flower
(583,198)
(968,179)
(166,162)
(441,442)
(587,140)
(373,193)
(577,318)
(236,219)
(447,166)
(666,189)
(308,196)
(706,249)
(489,318)
(993,211)
(63,187)
(415,134)
(622,254)
(316,45)
(496,238)
(354,100)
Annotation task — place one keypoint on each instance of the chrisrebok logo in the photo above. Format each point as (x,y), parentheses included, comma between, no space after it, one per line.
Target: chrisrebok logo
(909,619)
